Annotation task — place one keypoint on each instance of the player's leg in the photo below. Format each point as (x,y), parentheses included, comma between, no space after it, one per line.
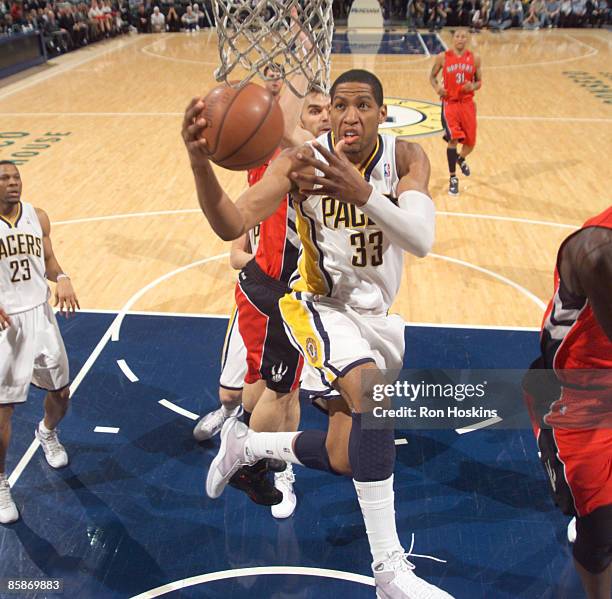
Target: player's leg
(276,411)
(250,396)
(278,408)
(51,373)
(452,135)
(593,553)
(231,381)
(16,363)
(581,459)
(468,124)
(270,358)
(8,509)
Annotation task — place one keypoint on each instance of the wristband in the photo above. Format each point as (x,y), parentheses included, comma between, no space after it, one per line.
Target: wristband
(61,276)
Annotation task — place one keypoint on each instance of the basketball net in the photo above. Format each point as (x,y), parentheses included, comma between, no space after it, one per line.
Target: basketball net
(294,34)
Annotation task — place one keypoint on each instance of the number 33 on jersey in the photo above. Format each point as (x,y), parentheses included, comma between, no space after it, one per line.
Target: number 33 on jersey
(344,254)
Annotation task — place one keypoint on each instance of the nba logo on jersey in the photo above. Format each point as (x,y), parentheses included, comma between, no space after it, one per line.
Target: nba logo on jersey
(387,169)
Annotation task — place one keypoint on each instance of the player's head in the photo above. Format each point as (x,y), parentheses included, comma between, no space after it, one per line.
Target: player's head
(10,183)
(460,39)
(273,74)
(357,109)
(315,113)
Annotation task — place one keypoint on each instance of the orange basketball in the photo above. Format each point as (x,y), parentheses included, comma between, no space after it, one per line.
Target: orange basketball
(244,126)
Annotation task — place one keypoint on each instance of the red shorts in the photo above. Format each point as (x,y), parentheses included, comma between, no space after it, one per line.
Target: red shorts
(580,463)
(270,354)
(459,122)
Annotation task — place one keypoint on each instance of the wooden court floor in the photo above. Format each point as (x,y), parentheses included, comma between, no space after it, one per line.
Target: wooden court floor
(99,134)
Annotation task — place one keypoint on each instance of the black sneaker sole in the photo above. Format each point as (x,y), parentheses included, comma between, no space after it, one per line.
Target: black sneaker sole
(253,481)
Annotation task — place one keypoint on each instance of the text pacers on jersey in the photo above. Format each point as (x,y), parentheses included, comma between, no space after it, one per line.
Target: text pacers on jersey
(20,243)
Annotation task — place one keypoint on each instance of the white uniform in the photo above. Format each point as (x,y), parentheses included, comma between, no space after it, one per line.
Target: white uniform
(31,349)
(234,354)
(350,274)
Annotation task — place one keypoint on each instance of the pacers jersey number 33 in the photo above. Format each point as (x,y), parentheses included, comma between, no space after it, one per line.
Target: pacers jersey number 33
(345,255)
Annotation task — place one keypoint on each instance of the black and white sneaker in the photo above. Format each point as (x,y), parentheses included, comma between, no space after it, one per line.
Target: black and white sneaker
(453,186)
(465,169)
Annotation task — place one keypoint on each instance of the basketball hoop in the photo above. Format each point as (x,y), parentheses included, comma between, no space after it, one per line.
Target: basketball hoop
(292,35)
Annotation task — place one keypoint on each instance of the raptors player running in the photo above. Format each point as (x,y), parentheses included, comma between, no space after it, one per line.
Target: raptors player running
(369,203)
(31,347)
(461,78)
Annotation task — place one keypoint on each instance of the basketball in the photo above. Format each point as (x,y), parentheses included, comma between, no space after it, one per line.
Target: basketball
(244,126)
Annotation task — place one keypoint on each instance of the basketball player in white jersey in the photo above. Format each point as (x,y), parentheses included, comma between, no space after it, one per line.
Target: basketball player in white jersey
(313,120)
(364,200)
(31,347)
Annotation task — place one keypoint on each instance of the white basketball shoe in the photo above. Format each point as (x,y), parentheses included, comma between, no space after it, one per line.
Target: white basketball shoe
(8,509)
(55,453)
(283,481)
(395,579)
(210,425)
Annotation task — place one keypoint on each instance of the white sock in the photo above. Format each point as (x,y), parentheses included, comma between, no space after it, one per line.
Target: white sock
(376,500)
(271,445)
(228,412)
(42,428)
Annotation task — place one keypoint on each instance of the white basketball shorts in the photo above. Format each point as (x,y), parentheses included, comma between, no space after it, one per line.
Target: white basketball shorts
(32,351)
(334,339)
(233,357)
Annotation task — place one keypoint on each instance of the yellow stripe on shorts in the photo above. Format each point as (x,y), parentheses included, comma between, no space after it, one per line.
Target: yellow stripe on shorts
(297,317)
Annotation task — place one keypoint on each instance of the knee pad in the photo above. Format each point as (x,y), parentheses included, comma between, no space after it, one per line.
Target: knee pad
(371,452)
(593,546)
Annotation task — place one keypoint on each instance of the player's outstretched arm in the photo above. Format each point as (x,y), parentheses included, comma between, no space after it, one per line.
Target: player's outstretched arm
(64,295)
(410,225)
(228,220)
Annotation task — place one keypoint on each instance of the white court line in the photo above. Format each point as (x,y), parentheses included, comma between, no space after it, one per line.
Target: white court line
(546,223)
(427,53)
(478,425)
(116,326)
(127,371)
(559,119)
(88,114)
(152,313)
(177,409)
(27,456)
(401,441)
(536,300)
(259,571)
(487,327)
(442,42)
(39,78)
(556,119)
(92,219)
(106,429)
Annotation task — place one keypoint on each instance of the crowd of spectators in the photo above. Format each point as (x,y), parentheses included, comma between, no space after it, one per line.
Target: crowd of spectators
(65,26)
(493,14)
(70,24)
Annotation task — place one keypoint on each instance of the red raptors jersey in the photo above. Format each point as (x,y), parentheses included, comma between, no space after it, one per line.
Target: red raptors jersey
(458,70)
(577,348)
(279,244)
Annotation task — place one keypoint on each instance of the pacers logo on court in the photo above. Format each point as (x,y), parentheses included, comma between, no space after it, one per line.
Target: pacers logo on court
(411,118)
